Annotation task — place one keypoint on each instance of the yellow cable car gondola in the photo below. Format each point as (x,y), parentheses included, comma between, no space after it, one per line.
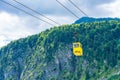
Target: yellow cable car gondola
(77,49)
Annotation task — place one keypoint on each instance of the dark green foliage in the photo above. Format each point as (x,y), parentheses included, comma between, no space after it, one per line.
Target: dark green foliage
(48,55)
(90,19)
(115,77)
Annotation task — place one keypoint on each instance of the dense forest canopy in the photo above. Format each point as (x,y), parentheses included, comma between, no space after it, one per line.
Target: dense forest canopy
(48,55)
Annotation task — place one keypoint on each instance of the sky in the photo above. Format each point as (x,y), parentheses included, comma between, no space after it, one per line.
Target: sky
(15,24)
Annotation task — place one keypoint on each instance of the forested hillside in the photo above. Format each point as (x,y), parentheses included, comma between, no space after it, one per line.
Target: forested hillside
(90,19)
(48,55)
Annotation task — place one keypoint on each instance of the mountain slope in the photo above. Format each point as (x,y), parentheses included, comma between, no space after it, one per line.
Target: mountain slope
(90,19)
(48,55)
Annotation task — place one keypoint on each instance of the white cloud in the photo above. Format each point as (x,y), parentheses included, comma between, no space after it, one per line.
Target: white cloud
(113,9)
(62,19)
(12,24)
(2,40)
(13,27)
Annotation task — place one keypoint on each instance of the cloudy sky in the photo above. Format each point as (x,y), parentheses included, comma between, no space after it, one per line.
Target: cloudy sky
(15,24)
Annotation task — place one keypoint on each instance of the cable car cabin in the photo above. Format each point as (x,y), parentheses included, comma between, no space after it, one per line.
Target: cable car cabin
(77,49)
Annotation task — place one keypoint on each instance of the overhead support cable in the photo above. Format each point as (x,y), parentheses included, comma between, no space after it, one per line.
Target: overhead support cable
(26,12)
(36,11)
(78,8)
(67,9)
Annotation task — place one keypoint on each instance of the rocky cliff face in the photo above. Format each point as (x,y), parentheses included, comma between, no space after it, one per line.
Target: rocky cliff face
(48,55)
